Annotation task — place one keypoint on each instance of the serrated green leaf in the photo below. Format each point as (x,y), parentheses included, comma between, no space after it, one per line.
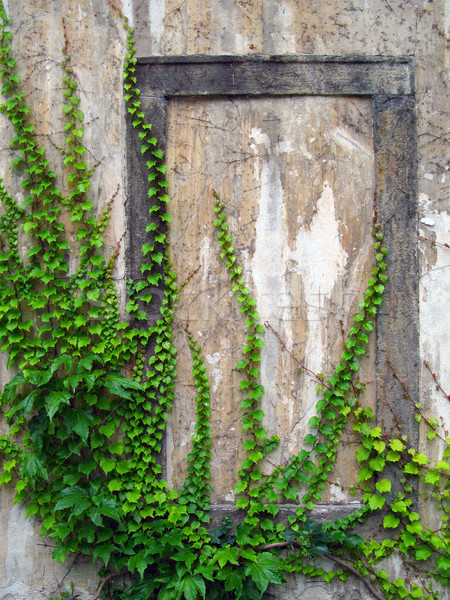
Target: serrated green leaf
(120,385)
(54,400)
(73,497)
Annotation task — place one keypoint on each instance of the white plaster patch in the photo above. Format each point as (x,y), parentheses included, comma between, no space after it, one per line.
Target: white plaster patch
(269,261)
(427,221)
(337,494)
(205,247)
(319,260)
(213,358)
(284,146)
(231,496)
(282,18)
(170,447)
(435,316)
(19,565)
(127,9)
(424,200)
(216,377)
(260,137)
(241,43)
(216,374)
(447,17)
(306,153)
(156,11)
(429,176)
(15,590)
(315,592)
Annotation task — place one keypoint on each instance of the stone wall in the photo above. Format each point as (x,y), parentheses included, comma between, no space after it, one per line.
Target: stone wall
(297,176)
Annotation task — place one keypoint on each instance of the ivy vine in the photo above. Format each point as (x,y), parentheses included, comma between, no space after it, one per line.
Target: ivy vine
(87,408)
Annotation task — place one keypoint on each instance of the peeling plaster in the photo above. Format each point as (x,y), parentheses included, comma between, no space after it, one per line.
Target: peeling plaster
(315,592)
(19,565)
(205,247)
(268,264)
(231,496)
(435,307)
(156,11)
(319,260)
(278,18)
(127,9)
(447,17)
(213,358)
(329,30)
(337,494)
(216,373)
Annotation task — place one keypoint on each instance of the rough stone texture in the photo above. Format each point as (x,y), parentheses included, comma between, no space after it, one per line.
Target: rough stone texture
(241,27)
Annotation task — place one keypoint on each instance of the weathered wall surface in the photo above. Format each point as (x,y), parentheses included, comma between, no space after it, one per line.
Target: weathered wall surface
(296,175)
(256,154)
(96,46)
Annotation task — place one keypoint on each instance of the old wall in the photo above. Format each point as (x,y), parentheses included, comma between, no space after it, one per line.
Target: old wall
(306,263)
(297,178)
(26,568)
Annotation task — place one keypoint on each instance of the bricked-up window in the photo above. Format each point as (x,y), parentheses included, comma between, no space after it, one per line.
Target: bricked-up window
(297,148)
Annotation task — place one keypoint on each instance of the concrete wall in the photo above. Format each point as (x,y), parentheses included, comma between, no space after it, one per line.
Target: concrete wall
(297,178)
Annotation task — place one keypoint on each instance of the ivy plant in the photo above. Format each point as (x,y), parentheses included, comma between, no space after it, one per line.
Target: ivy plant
(87,407)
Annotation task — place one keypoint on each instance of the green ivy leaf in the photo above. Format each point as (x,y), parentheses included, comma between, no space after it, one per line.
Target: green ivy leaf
(314,422)
(107,465)
(377,463)
(411,468)
(33,467)
(116,448)
(391,522)
(376,502)
(54,400)
(266,570)
(384,485)
(421,459)
(432,477)
(191,585)
(103,551)
(233,583)
(75,498)
(364,474)
(79,421)
(362,454)
(119,385)
(422,553)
